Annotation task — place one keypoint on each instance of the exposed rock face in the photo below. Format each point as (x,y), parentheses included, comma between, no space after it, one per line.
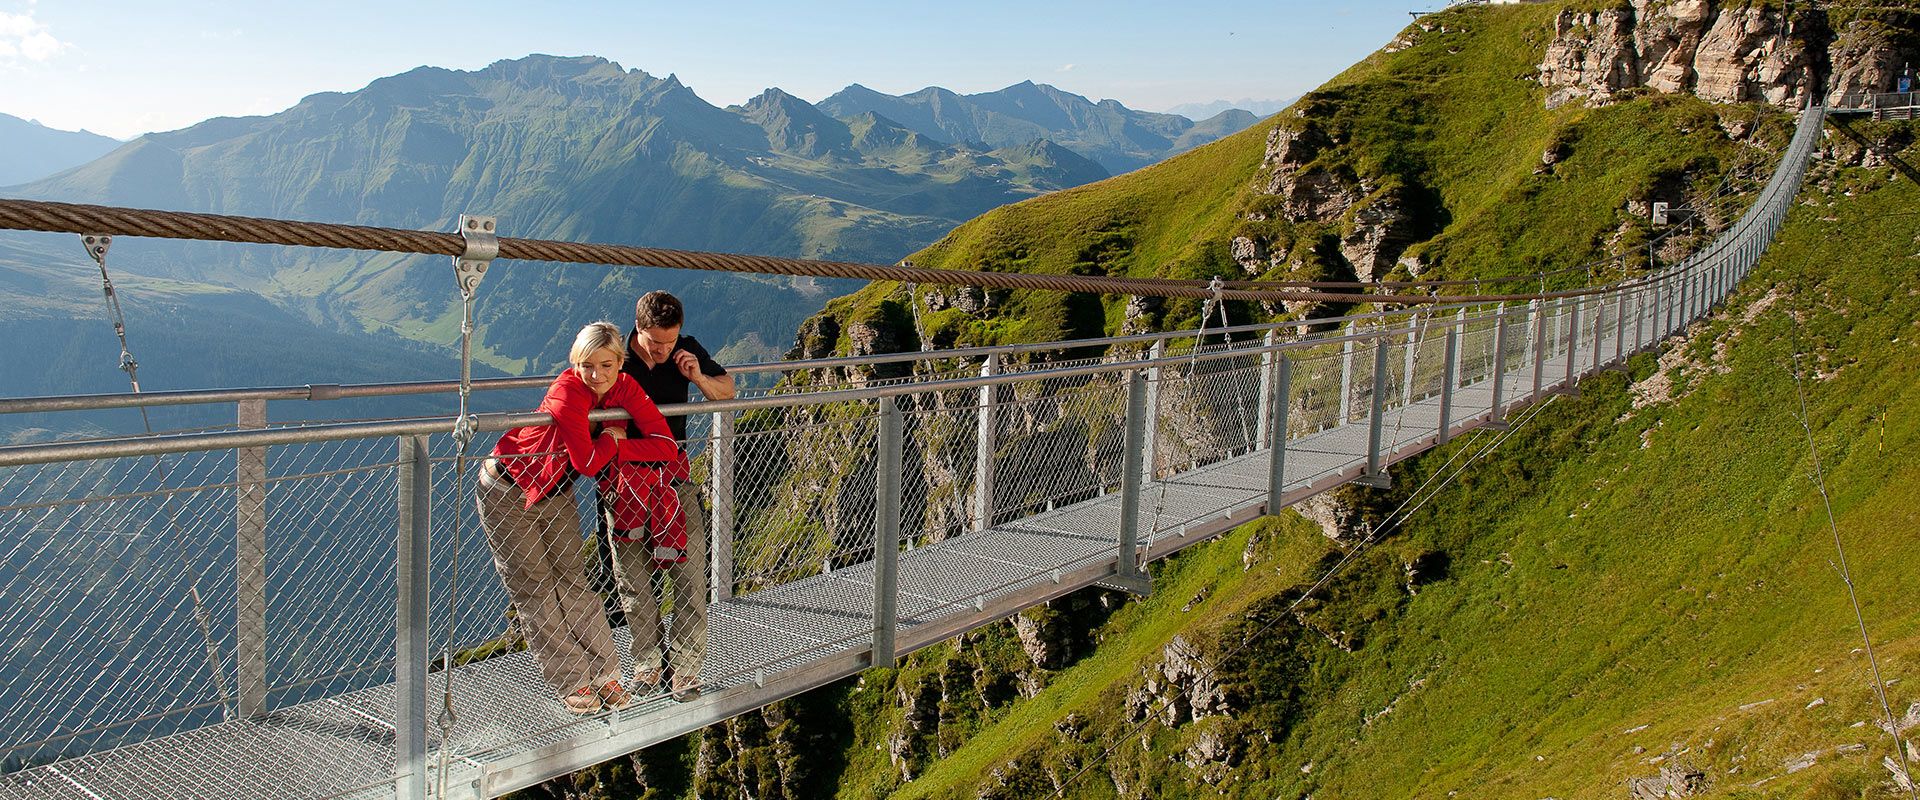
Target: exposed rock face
(816,339)
(1719,51)
(1865,59)
(1250,254)
(971,299)
(1337,516)
(758,754)
(1348,225)
(1674,781)
(865,339)
(1142,314)
(1746,55)
(1179,689)
(1375,236)
(1592,56)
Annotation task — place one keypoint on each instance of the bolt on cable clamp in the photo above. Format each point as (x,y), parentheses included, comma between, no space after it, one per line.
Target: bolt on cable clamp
(97,245)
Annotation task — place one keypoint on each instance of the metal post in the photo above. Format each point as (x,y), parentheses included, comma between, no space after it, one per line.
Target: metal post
(411,644)
(1572,342)
(1663,313)
(250,565)
(1346,380)
(1620,325)
(1281,403)
(1644,301)
(1450,376)
(1376,422)
(1127,573)
(1538,311)
(1687,294)
(1268,362)
(1653,314)
(1499,366)
(1151,445)
(1406,380)
(984,446)
(720,568)
(886,535)
(1599,333)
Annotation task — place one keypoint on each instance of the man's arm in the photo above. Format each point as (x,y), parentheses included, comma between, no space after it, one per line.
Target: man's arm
(720,388)
(712,387)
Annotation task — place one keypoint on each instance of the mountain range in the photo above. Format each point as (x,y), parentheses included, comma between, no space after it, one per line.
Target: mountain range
(1119,138)
(579,148)
(1258,108)
(30,150)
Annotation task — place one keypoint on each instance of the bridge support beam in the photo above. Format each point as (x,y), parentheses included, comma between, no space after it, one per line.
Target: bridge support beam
(1539,312)
(1620,329)
(1496,415)
(1280,404)
(985,446)
(1571,340)
(1151,444)
(1376,475)
(886,535)
(1346,381)
(1416,329)
(411,643)
(720,568)
(250,565)
(1450,377)
(1269,361)
(1127,575)
(1599,334)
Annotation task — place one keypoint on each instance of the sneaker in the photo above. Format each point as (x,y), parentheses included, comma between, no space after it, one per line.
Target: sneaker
(646,680)
(614,695)
(582,702)
(686,688)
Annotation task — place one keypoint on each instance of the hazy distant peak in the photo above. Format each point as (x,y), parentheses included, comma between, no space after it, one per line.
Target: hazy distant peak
(30,150)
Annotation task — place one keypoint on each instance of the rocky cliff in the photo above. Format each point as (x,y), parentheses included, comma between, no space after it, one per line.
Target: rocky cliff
(1724,52)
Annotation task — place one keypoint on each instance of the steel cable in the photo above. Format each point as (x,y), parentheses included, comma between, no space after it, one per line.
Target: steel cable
(38,215)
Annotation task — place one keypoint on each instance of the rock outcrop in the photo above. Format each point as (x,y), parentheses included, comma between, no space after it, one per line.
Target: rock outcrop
(1183,687)
(1720,51)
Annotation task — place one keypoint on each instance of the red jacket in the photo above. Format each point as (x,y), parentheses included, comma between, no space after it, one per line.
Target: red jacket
(550,451)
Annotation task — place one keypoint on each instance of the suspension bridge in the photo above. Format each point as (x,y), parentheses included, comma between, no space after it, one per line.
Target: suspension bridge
(272,610)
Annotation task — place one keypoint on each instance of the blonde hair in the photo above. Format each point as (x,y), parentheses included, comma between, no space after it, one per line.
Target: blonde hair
(595,336)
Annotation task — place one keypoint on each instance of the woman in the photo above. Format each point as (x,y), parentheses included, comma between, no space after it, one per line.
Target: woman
(526,506)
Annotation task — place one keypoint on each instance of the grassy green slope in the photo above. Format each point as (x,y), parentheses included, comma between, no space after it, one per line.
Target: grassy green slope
(1450,126)
(1629,588)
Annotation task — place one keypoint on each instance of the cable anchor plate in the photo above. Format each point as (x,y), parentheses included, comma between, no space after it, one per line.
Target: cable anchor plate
(482,247)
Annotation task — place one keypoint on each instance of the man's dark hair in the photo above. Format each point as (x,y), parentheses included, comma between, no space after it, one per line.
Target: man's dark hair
(658,309)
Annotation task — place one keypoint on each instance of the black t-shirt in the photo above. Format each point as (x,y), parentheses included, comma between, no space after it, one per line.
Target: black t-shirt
(663,383)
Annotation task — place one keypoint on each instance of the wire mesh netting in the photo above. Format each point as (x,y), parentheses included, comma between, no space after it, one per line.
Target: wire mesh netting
(262,584)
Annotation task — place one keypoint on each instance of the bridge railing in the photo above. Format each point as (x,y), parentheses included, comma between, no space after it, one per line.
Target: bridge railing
(316,577)
(158,587)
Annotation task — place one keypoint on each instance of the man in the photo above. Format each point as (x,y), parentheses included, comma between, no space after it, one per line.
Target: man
(666,364)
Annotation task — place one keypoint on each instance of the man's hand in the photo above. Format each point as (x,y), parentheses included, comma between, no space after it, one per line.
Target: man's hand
(687,363)
(618,432)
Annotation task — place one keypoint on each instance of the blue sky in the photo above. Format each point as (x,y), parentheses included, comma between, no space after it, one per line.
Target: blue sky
(123,68)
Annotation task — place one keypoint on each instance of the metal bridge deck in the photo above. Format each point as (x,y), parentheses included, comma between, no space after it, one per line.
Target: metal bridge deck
(511,734)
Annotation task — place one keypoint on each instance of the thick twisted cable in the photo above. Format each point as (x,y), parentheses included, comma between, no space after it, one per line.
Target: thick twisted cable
(38,215)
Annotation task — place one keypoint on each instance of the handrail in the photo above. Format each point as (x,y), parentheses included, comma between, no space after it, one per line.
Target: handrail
(332,391)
